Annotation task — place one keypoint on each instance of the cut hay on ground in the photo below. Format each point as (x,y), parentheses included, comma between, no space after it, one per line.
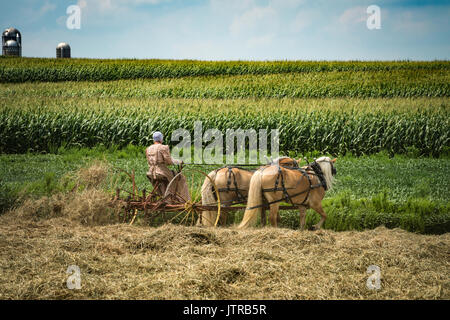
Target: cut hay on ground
(89,207)
(94,175)
(40,239)
(175,262)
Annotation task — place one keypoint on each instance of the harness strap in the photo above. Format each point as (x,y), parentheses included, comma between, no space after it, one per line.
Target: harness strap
(317,171)
(279,200)
(236,189)
(239,195)
(286,195)
(230,170)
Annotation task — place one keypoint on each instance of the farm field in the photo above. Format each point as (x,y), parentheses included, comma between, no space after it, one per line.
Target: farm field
(49,70)
(177,262)
(67,127)
(401,83)
(369,108)
(333,126)
(416,197)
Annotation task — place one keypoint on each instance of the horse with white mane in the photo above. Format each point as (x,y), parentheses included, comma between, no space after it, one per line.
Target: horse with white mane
(303,187)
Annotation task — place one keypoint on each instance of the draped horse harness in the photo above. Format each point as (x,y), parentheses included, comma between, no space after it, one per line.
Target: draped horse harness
(239,195)
(312,168)
(292,163)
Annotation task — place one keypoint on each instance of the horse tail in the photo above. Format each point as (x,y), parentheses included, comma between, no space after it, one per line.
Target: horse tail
(254,199)
(208,217)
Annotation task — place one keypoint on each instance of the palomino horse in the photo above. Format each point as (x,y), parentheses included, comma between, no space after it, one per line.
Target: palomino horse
(232,183)
(303,187)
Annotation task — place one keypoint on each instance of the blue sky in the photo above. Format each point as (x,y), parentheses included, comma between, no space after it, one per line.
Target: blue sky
(234,29)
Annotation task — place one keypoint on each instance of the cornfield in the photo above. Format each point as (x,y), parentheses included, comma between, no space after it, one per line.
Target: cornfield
(330,107)
(363,84)
(328,130)
(36,69)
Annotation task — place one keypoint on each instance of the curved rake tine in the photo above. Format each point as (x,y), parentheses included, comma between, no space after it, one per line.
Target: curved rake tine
(185,216)
(176,193)
(131,176)
(134,216)
(197,199)
(198,195)
(217,194)
(208,220)
(170,183)
(178,214)
(193,217)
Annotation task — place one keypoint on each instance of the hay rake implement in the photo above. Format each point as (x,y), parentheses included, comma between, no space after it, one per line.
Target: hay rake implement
(151,205)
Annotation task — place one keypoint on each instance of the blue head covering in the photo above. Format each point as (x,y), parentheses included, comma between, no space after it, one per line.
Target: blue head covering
(157,136)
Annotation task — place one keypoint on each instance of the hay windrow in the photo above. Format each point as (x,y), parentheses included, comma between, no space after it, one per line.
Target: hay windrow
(94,175)
(89,207)
(86,204)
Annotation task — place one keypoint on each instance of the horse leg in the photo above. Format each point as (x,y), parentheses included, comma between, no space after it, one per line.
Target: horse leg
(302,210)
(273,216)
(323,216)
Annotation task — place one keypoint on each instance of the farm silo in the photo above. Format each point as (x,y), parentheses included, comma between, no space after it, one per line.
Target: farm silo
(12,42)
(63,50)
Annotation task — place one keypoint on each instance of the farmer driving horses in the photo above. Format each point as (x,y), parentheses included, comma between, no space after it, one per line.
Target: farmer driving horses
(158,157)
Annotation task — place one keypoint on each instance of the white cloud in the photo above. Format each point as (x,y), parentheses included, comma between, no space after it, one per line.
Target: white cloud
(260,41)
(301,21)
(286,4)
(114,5)
(252,20)
(112,13)
(412,22)
(48,6)
(353,15)
(61,21)
(231,6)
(32,14)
